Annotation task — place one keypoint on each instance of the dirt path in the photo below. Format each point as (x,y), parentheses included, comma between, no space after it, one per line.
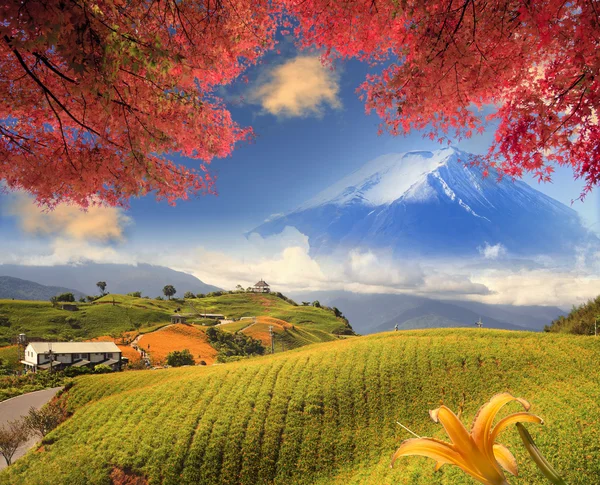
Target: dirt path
(143,353)
(18,407)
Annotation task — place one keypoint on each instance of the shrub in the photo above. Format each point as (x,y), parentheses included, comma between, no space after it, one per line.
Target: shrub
(72,322)
(135,294)
(285,298)
(188,294)
(44,420)
(102,369)
(200,295)
(160,298)
(76,371)
(177,358)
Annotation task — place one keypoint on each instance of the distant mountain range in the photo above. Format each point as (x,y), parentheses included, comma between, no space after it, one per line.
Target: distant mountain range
(18,289)
(433,204)
(370,313)
(120,278)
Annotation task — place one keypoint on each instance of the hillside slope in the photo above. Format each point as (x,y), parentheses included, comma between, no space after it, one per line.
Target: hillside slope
(580,320)
(28,290)
(325,414)
(114,314)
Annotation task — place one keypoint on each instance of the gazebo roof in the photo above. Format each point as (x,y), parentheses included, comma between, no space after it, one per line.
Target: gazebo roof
(261,283)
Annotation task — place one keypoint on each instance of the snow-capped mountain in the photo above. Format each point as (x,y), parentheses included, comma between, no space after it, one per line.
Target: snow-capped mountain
(432,203)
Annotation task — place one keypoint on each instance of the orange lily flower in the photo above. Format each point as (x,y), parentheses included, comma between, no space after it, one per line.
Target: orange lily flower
(476,453)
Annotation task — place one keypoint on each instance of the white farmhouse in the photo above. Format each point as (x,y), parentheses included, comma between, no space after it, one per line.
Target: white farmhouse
(58,355)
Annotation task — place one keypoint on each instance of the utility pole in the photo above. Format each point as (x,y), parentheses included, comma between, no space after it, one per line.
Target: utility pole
(50,355)
(272,339)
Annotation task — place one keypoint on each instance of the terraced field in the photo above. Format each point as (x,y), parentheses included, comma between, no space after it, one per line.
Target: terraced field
(326,413)
(178,337)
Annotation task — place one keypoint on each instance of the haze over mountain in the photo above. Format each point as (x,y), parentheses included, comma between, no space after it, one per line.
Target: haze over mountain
(120,278)
(432,204)
(18,289)
(370,313)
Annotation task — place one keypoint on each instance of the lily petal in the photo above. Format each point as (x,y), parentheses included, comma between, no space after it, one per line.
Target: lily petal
(465,445)
(484,420)
(442,453)
(505,458)
(513,419)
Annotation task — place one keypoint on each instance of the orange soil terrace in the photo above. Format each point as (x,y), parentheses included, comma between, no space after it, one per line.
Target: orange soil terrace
(260,330)
(126,350)
(178,337)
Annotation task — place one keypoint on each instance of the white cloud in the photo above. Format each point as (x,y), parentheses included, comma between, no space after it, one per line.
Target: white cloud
(97,223)
(285,262)
(64,251)
(301,86)
(492,252)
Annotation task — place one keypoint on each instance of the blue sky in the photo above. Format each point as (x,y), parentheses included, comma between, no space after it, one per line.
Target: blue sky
(301,147)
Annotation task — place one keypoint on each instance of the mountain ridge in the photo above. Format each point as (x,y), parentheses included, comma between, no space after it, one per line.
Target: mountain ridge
(120,278)
(20,289)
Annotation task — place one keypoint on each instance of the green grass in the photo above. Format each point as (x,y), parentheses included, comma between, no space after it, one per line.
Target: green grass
(326,413)
(40,319)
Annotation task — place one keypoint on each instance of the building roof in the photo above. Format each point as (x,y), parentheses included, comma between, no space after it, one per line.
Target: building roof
(73,347)
(261,283)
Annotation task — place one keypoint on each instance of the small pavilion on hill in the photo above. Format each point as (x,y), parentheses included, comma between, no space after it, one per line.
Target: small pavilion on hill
(261,287)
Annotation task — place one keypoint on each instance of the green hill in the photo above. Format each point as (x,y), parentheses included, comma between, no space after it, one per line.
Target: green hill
(118,313)
(325,414)
(580,320)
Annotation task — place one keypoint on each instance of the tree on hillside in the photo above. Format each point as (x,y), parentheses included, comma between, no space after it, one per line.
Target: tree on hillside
(316,304)
(189,294)
(169,291)
(102,287)
(95,95)
(178,358)
(68,297)
(581,320)
(54,300)
(12,435)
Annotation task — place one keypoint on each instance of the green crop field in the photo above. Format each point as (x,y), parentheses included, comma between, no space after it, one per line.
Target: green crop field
(326,413)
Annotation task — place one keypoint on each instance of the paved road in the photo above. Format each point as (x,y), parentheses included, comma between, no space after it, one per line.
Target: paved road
(19,406)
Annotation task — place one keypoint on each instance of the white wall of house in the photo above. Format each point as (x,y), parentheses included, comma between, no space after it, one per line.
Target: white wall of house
(34,358)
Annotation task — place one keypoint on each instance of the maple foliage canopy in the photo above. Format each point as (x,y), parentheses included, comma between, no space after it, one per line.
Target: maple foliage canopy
(94,94)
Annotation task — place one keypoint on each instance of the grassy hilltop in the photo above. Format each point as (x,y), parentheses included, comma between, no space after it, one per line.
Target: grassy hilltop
(326,413)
